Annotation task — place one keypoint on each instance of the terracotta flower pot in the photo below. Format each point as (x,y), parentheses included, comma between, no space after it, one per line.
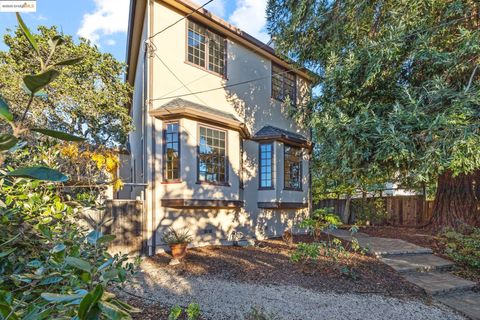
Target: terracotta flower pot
(179,250)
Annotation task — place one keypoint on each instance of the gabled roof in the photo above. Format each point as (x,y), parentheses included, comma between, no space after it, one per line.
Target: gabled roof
(274,133)
(181,108)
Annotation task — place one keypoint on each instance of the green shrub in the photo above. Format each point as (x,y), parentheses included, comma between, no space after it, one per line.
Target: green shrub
(320,220)
(50,267)
(464,249)
(193,311)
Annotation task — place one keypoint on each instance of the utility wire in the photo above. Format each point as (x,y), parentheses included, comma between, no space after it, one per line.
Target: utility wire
(182,18)
(299,67)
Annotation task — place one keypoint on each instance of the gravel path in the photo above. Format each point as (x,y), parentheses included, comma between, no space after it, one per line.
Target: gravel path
(221,299)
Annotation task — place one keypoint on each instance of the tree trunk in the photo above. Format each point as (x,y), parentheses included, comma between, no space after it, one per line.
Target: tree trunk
(456,201)
(346,211)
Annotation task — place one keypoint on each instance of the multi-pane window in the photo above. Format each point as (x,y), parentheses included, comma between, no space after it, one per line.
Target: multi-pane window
(206,48)
(212,159)
(266,165)
(171,166)
(283,84)
(292,168)
(197,41)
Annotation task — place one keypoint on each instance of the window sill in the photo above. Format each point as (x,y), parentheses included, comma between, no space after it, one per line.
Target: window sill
(224,77)
(293,189)
(172,182)
(266,188)
(220,184)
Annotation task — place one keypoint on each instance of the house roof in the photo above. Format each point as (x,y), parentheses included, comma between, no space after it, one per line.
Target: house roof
(274,133)
(181,108)
(137,14)
(177,103)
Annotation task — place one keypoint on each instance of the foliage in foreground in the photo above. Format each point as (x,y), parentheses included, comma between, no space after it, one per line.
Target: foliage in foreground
(332,248)
(50,268)
(464,248)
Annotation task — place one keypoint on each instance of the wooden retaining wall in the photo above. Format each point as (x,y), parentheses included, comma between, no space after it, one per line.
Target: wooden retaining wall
(401,210)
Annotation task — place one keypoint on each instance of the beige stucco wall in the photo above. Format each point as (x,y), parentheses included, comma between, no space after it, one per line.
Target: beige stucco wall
(251,103)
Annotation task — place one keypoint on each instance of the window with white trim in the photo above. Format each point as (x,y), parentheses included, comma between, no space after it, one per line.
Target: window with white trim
(206,48)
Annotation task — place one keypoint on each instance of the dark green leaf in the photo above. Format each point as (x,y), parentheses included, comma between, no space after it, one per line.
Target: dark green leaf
(106,238)
(78,263)
(112,311)
(36,82)
(39,173)
(69,62)
(55,297)
(58,134)
(93,236)
(4,110)
(58,248)
(7,141)
(88,308)
(6,253)
(50,280)
(27,33)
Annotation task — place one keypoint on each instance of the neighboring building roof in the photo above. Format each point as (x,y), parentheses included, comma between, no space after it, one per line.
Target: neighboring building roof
(180,108)
(274,133)
(137,13)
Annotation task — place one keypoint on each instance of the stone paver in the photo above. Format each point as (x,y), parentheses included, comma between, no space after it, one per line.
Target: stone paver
(436,283)
(417,262)
(467,303)
(419,266)
(381,246)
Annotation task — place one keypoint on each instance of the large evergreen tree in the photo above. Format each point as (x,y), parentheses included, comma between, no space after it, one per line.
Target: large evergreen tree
(399,97)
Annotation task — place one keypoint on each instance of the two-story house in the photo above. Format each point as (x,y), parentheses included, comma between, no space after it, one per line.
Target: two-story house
(214,149)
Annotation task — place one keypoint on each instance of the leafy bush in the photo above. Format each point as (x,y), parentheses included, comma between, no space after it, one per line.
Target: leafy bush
(192,312)
(320,220)
(464,248)
(50,268)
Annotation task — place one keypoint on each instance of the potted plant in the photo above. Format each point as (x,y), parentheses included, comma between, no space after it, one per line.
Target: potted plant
(178,242)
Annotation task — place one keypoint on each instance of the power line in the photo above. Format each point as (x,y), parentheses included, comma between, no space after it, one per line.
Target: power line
(299,67)
(182,18)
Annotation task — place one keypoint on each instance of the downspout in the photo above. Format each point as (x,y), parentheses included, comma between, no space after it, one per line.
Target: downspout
(153,153)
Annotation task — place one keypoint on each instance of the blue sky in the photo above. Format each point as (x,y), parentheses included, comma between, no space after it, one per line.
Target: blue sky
(105,22)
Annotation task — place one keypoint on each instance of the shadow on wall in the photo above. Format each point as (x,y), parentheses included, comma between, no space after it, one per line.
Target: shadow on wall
(253,104)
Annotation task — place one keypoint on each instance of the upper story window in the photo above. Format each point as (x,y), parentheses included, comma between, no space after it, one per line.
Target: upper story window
(206,49)
(284,84)
(292,168)
(171,163)
(266,165)
(212,157)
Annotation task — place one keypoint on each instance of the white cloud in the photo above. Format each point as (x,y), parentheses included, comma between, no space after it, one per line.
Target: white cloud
(111,42)
(217,7)
(250,16)
(110,16)
(41,17)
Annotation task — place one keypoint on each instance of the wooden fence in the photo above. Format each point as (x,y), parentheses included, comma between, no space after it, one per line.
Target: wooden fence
(401,210)
(125,220)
